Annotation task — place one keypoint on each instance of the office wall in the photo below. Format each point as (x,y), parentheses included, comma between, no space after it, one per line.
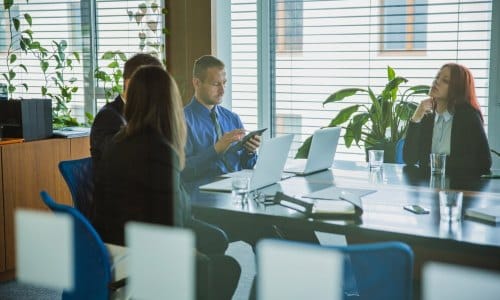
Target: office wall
(189,23)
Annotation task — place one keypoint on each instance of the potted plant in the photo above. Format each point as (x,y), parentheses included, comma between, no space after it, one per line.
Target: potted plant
(379,125)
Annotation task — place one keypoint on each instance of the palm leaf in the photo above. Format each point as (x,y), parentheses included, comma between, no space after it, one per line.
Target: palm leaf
(339,95)
(303,151)
(391,88)
(344,115)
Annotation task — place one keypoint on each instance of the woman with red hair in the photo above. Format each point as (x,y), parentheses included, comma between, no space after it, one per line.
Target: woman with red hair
(450,122)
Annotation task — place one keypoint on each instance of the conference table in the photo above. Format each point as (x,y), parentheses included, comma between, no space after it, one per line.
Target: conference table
(468,242)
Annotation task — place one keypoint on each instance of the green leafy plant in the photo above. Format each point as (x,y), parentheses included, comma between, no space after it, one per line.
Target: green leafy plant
(63,88)
(382,122)
(148,16)
(20,41)
(112,77)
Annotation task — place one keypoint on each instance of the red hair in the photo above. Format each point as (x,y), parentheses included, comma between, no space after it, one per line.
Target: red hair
(461,89)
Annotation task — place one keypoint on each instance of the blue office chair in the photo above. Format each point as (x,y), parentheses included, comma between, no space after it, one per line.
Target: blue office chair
(78,174)
(399,151)
(92,270)
(377,271)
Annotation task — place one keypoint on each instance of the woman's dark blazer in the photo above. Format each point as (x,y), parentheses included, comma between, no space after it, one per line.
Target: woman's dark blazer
(138,180)
(469,149)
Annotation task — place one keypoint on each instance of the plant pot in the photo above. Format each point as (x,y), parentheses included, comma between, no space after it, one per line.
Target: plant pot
(389,151)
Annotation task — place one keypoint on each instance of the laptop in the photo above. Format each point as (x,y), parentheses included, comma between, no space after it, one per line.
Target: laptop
(270,163)
(321,154)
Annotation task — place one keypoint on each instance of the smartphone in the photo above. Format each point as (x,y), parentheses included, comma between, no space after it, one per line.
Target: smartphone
(416,209)
(247,137)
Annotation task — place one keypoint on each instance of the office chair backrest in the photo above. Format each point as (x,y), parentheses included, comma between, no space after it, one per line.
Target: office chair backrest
(446,281)
(296,271)
(92,271)
(78,174)
(377,271)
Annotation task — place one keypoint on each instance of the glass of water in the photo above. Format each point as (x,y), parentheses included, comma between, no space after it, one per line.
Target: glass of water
(450,205)
(375,158)
(240,186)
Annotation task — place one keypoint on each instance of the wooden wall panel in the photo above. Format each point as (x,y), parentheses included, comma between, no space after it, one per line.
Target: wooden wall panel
(29,168)
(190,25)
(80,147)
(2,221)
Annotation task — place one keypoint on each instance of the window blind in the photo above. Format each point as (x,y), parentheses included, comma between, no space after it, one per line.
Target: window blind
(52,21)
(244,61)
(90,28)
(321,46)
(129,27)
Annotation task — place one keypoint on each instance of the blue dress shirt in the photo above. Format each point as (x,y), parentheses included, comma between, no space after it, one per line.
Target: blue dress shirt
(202,162)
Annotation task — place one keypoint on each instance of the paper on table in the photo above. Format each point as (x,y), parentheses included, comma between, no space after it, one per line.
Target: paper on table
(333,207)
(334,193)
(491,213)
(349,204)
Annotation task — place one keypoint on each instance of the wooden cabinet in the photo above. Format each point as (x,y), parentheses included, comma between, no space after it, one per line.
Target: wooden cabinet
(2,222)
(26,169)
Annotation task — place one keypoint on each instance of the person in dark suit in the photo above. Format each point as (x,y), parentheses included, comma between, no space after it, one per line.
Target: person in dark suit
(450,122)
(139,176)
(109,119)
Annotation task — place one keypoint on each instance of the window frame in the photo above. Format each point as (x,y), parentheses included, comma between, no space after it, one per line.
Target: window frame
(409,42)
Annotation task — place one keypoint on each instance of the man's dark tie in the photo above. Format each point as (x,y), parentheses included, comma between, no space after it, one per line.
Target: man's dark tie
(218,131)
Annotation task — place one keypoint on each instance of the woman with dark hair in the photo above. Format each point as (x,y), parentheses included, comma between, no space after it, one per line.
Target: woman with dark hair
(139,176)
(450,122)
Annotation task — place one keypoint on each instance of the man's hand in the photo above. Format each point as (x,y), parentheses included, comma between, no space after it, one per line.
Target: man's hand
(252,144)
(227,139)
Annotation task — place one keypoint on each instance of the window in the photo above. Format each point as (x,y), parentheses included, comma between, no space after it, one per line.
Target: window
(341,44)
(130,27)
(288,34)
(404,25)
(89,28)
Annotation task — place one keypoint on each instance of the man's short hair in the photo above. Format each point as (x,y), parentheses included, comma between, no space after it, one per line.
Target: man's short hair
(138,60)
(205,62)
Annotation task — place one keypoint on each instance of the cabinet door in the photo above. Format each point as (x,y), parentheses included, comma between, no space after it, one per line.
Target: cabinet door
(29,168)
(80,147)
(2,222)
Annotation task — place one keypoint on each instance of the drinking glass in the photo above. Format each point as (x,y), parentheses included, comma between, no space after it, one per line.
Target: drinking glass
(450,205)
(240,186)
(375,158)
(438,163)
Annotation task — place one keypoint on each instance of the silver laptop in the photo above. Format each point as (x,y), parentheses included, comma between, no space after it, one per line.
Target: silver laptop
(323,147)
(270,163)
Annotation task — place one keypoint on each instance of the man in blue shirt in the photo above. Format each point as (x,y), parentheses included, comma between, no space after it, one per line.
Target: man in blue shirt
(213,131)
